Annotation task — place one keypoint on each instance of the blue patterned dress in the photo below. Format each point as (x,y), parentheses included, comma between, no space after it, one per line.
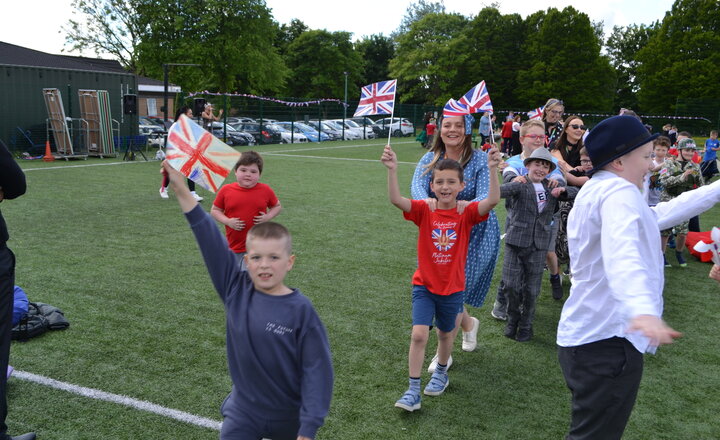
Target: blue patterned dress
(485,237)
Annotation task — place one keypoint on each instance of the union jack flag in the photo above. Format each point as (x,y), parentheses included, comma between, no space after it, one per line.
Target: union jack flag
(535,114)
(477,99)
(444,239)
(199,155)
(454,108)
(377,98)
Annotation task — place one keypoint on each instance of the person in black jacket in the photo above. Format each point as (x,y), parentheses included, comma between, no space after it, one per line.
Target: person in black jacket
(12,185)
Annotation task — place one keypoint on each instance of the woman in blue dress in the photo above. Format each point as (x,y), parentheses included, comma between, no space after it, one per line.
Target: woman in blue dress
(452,142)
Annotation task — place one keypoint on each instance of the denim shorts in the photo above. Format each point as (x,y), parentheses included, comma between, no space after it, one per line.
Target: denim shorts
(444,308)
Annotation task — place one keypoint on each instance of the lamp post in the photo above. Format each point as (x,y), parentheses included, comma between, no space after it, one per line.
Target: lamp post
(165,89)
(345,106)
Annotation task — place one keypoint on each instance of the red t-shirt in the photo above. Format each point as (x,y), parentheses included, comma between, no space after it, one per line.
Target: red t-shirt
(442,245)
(430,129)
(243,203)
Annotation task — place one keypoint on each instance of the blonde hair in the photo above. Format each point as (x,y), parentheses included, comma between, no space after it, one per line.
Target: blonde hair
(527,125)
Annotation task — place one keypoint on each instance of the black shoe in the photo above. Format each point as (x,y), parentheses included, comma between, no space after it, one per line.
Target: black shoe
(510,330)
(28,436)
(524,335)
(556,283)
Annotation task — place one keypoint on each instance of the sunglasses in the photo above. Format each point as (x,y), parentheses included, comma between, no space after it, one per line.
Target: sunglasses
(535,137)
(585,162)
(576,126)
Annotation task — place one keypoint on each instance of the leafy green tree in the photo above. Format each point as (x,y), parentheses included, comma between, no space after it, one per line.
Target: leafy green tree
(489,49)
(425,63)
(318,60)
(681,59)
(287,33)
(622,47)
(415,12)
(376,52)
(563,52)
(106,27)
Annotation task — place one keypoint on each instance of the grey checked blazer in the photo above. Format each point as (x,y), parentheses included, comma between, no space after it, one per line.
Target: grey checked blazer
(525,225)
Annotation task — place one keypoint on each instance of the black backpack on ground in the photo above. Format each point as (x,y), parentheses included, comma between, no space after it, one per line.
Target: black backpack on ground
(39,319)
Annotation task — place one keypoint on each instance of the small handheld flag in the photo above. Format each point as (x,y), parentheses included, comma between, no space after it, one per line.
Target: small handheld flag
(536,114)
(477,99)
(199,155)
(377,98)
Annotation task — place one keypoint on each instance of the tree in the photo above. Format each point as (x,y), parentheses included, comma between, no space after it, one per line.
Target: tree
(318,60)
(111,27)
(415,12)
(376,52)
(623,45)
(681,59)
(563,52)
(287,33)
(232,40)
(425,64)
(491,49)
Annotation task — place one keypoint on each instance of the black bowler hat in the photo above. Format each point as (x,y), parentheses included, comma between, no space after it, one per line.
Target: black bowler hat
(614,137)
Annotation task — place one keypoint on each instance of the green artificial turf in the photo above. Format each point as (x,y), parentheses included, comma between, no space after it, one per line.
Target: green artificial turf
(99,243)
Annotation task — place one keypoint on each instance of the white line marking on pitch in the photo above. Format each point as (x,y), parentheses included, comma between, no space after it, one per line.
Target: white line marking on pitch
(122,400)
(331,158)
(337,147)
(82,166)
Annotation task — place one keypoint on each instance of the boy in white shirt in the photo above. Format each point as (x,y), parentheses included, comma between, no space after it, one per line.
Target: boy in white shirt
(613,313)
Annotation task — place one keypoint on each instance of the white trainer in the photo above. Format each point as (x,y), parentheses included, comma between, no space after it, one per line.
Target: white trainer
(434,362)
(163,193)
(469,339)
(196,196)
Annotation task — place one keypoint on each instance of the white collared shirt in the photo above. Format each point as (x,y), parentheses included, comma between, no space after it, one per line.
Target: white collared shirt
(617,263)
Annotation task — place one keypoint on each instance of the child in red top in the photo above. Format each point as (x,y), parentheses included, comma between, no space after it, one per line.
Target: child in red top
(242,205)
(430,130)
(439,281)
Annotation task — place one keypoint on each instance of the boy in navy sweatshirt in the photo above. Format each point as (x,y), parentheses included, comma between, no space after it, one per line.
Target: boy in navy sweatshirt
(277,347)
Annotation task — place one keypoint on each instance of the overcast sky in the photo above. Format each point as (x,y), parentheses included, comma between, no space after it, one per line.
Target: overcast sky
(36,23)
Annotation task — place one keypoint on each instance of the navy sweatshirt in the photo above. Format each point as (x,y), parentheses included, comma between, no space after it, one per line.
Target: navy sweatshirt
(278,351)
(12,182)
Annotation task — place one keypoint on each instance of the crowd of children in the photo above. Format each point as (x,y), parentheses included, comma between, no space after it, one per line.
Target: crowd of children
(278,352)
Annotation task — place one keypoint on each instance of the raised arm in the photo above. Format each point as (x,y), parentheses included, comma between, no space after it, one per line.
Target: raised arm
(177,182)
(493,197)
(389,159)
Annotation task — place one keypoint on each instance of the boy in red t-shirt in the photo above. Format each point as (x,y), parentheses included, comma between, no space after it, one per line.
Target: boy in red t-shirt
(242,205)
(439,281)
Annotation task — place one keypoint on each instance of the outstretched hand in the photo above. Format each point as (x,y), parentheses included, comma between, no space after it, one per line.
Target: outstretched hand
(389,158)
(494,157)
(715,272)
(557,191)
(654,328)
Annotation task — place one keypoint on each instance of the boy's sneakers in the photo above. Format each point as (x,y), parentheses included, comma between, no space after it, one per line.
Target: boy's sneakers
(196,196)
(434,362)
(556,283)
(665,261)
(438,383)
(680,258)
(469,342)
(499,311)
(163,193)
(410,401)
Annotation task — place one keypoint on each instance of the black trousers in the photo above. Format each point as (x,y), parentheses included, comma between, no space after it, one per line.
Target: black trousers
(603,377)
(7,280)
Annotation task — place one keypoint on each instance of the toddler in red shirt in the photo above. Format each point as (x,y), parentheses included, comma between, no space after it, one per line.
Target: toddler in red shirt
(439,281)
(245,203)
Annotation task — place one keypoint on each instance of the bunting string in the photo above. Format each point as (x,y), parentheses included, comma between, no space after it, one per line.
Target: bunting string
(278,101)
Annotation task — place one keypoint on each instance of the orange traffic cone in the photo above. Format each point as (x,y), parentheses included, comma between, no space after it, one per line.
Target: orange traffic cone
(48,155)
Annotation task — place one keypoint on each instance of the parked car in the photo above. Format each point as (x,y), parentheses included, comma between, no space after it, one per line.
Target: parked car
(350,133)
(234,137)
(310,132)
(239,120)
(399,127)
(262,136)
(332,131)
(155,134)
(362,121)
(362,133)
(287,136)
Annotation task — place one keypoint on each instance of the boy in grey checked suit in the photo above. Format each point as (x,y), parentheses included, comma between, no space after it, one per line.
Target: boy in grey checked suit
(530,208)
